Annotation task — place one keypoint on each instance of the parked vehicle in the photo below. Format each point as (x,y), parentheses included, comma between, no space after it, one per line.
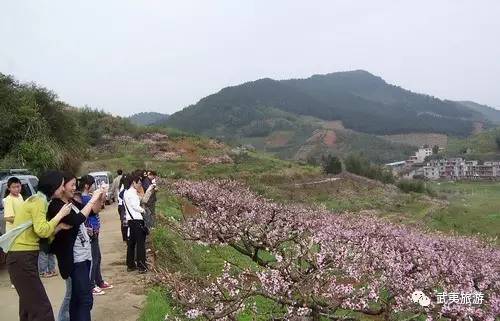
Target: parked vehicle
(29,184)
(107,178)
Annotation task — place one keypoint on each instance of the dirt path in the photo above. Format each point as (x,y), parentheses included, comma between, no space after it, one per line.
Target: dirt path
(122,303)
(327,180)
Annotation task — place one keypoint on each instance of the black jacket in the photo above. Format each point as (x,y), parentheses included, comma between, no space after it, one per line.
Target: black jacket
(62,245)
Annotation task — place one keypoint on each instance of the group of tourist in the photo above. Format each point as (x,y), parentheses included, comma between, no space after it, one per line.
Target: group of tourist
(62,221)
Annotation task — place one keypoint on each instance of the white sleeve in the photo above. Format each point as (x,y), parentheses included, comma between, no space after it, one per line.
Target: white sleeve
(132,204)
(136,204)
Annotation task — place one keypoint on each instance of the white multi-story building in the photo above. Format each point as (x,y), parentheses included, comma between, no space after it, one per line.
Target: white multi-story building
(431,172)
(420,155)
(446,168)
(460,169)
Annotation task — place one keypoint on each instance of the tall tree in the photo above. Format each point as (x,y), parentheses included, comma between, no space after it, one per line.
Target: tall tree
(332,165)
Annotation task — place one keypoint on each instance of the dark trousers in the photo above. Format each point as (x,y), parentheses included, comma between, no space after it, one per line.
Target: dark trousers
(152,209)
(34,304)
(81,292)
(136,244)
(123,222)
(95,274)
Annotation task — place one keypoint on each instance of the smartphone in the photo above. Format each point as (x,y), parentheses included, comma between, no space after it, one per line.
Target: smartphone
(75,209)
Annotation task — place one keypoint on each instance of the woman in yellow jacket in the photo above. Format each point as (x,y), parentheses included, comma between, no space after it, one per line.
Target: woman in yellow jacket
(22,258)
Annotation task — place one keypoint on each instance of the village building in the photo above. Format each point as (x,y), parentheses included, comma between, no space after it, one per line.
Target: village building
(419,166)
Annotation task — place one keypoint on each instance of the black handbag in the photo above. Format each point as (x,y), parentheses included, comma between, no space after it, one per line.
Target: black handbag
(146,216)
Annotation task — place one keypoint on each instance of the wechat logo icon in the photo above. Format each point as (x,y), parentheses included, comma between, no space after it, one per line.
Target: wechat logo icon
(420,298)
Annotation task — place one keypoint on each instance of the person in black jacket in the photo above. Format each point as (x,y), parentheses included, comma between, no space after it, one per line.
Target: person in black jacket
(123,185)
(73,251)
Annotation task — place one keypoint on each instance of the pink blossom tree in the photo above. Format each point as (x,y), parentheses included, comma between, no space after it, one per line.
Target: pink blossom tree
(318,264)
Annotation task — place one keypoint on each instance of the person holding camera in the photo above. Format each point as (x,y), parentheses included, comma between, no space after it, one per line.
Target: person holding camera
(137,231)
(73,250)
(31,224)
(93,223)
(149,184)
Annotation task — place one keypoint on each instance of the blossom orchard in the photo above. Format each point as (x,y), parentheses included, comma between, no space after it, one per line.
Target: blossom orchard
(320,264)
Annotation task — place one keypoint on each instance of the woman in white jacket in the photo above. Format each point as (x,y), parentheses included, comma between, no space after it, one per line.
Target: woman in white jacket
(136,243)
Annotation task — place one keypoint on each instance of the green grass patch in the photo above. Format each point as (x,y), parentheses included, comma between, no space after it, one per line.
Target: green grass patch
(158,305)
(474,208)
(481,146)
(466,208)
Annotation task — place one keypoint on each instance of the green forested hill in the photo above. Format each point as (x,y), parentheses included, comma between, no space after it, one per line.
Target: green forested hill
(38,131)
(276,115)
(490,113)
(362,101)
(367,103)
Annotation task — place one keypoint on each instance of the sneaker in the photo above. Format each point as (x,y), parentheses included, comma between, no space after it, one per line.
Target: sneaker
(142,271)
(97,291)
(12,286)
(52,274)
(105,286)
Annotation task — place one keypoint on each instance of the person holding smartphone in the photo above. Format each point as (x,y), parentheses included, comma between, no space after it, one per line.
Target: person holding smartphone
(93,224)
(73,250)
(136,244)
(149,184)
(22,257)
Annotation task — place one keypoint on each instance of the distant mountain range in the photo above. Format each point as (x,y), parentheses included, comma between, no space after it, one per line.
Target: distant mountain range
(147,118)
(288,117)
(490,113)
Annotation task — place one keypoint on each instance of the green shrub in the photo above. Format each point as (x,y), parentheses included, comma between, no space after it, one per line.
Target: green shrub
(416,186)
(359,165)
(332,165)
(39,132)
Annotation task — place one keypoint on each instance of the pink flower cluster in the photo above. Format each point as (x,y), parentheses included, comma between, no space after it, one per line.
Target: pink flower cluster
(313,260)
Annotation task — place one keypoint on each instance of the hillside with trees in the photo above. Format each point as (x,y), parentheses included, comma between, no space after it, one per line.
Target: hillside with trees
(38,131)
(490,113)
(362,101)
(147,118)
(283,117)
(484,146)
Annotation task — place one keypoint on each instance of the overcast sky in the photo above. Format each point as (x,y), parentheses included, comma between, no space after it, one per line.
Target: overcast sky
(132,56)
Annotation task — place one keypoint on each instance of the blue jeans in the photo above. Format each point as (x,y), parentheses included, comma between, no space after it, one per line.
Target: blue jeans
(64,310)
(81,292)
(46,262)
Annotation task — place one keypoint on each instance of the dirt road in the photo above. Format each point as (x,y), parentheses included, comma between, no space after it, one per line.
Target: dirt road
(122,303)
